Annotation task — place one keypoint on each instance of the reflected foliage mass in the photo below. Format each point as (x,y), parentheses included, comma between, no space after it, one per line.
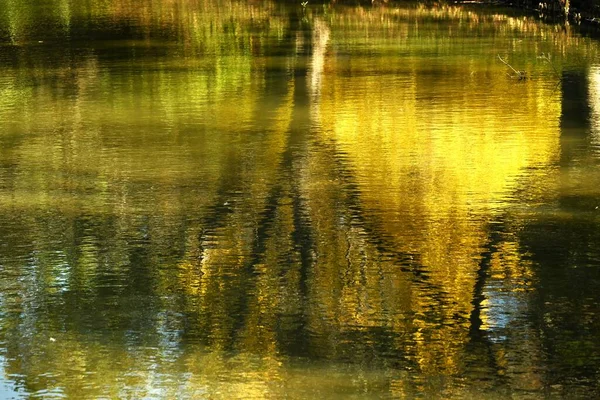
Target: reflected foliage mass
(221,199)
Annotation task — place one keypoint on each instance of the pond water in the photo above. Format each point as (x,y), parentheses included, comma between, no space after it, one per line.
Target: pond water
(217,199)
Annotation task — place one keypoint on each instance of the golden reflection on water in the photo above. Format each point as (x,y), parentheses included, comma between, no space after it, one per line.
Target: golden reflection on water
(243,209)
(438,149)
(594,101)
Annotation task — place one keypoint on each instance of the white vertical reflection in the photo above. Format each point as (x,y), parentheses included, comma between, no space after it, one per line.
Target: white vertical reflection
(594,101)
(320,38)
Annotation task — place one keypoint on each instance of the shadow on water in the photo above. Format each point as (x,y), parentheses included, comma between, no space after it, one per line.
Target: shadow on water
(287,185)
(575,115)
(479,341)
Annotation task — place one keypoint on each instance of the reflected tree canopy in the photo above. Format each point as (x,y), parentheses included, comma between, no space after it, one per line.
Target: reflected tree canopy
(245,200)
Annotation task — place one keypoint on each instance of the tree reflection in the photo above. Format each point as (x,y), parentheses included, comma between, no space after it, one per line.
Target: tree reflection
(230,197)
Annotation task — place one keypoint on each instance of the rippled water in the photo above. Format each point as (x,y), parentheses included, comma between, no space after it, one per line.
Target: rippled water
(215,199)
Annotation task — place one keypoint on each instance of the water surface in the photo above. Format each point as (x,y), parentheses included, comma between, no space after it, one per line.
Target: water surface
(216,199)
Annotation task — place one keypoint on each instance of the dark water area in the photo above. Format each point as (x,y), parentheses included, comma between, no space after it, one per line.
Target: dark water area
(216,199)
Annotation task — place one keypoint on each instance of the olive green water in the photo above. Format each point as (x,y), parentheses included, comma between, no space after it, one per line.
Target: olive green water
(220,200)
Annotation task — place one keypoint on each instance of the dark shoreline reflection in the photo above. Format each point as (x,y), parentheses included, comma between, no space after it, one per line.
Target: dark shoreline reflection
(238,200)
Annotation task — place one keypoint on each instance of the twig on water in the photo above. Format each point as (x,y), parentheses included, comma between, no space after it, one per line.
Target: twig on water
(518,74)
(546,57)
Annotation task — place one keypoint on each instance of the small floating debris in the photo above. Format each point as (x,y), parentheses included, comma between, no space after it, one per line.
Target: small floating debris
(521,75)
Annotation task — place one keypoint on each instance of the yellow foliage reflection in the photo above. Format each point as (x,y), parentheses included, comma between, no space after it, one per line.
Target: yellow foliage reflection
(243,200)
